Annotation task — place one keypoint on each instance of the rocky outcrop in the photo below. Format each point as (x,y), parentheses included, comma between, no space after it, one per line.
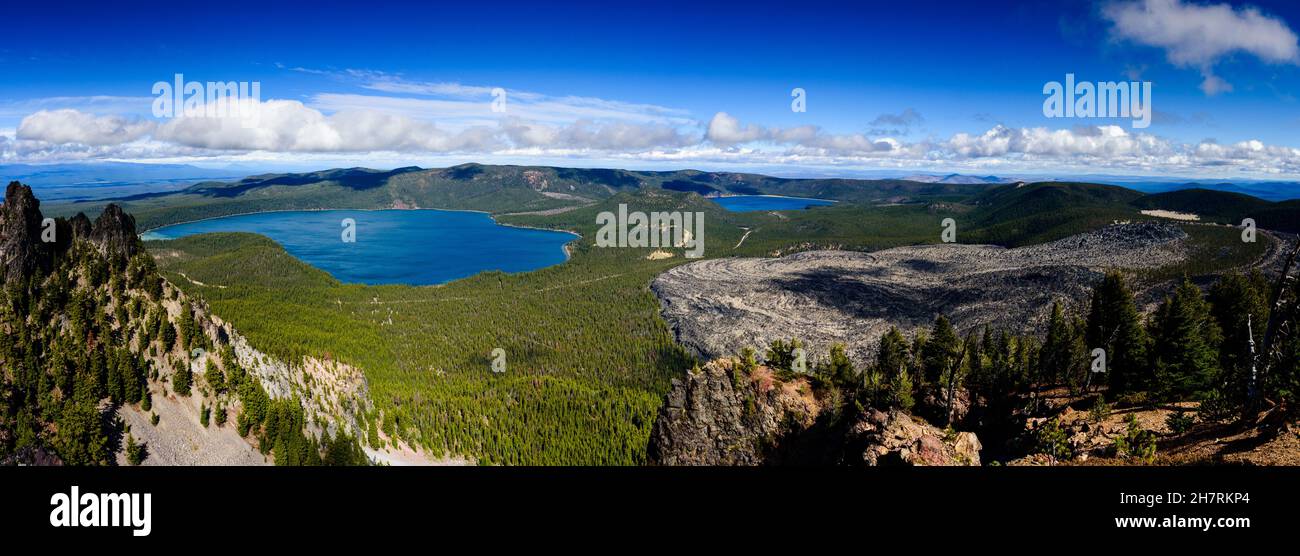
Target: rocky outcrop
(23,249)
(894,437)
(721,414)
(716,415)
(114,232)
(80,225)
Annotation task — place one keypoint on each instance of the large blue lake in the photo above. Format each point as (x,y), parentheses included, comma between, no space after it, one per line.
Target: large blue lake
(751,203)
(394,246)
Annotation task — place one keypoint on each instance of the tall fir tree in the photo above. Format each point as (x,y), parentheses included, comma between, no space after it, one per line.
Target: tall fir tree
(1239,305)
(1185,344)
(892,355)
(942,350)
(1061,355)
(1115,325)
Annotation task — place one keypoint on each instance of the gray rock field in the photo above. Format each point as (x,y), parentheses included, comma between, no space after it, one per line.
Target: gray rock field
(716,307)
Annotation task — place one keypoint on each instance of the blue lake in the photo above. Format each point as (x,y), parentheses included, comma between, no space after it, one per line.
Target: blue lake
(394,246)
(751,203)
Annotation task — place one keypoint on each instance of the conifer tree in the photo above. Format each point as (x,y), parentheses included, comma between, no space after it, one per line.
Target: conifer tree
(942,350)
(181,379)
(1186,340)
(838,368)
(1115,325)
(1058,355)
(1239,305)
(892,354)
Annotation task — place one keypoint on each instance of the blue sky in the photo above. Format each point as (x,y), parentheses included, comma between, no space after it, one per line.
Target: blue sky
(900,87)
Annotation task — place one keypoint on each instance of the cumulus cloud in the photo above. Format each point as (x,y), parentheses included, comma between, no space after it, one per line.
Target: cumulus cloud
(72,126)
(1199,36)
(1084,147)
(291,126)
(1106,141)
(285,128)
(286,125)
(725,129)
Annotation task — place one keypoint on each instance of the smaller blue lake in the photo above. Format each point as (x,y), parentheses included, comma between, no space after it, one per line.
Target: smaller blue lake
(418,247)
(751,203)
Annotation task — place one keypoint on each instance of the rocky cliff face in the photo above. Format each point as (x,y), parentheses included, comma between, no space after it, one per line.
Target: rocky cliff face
(721,414)
(114,232)
(718,416)
(23,249)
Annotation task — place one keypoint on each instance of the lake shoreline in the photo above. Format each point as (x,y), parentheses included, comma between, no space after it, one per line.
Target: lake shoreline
(564,243)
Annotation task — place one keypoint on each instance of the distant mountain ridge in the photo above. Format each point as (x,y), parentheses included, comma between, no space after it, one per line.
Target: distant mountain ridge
(495,189)
(958,179)
(1010,212)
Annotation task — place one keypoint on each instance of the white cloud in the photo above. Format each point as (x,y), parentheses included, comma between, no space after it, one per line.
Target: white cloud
(1200,35)
(725,129)
(587,134)
(1107,141)
(390,130)
(285,125)
(72,126)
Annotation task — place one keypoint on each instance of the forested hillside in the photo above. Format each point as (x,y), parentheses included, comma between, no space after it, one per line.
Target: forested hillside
(1227,207)
(90,326)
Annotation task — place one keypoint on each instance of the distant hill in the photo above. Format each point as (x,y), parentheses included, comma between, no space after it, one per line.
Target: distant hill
(1006,213)
(1020,214)
(1226,207)
(957,179)
(105,180)
(491,188)
(1267,190)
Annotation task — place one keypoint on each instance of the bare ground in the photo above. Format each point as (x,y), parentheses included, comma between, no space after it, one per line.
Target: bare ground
(179,439)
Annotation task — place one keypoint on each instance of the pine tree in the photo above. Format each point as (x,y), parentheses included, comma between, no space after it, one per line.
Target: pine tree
(181,379)
(185,326)
(1115,326)
(942,350)
(781,354)
(80,439)
(902,391)
(167,334)
(1186,340)
(1063,350)
(1239,305)
(892,354)
(214,377)
(838,369)
(135,452)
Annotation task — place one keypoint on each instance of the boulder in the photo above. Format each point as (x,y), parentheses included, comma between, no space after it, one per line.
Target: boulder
(894,437)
